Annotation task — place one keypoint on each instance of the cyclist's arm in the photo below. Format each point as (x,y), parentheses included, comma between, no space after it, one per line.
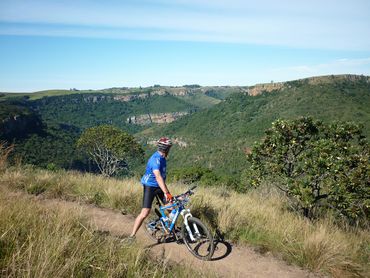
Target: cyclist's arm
(160,181)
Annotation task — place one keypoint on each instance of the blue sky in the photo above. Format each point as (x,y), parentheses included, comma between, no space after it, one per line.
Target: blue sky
(99,44)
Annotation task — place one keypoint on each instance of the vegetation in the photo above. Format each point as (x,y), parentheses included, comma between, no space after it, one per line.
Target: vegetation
(218,138)
(201,176)
(55,241)
(5,150)
(110,148)
(36,142)
(17,121)
(318,166)
(88,110)
(259,217)
(321,166)
(40,94)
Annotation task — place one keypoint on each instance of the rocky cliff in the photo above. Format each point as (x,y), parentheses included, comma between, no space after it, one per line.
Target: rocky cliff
(159,118)
(157,92)
(317,80)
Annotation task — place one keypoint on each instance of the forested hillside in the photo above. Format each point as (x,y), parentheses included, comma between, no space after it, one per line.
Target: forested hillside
(214,127)
(219,137)
(85,111)
(46,125)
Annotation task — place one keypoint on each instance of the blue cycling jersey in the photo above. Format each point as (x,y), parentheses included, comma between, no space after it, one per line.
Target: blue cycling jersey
(155,162)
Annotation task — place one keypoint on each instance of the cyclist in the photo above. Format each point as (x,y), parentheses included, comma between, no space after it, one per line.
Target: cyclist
(154,182)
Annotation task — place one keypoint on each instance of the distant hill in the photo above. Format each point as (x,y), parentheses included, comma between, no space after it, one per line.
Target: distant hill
(123,107)
(213,92)
(214,126)
(62,115)
(219,137)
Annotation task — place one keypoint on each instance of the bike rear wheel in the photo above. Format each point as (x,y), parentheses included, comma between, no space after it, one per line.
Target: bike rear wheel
(202,246)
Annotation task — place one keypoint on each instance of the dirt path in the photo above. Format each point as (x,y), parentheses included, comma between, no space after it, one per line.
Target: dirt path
(228,261)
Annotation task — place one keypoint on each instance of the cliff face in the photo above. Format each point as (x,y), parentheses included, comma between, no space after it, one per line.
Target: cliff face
(260,88)
(158,92)
(158,118)
(177,141)
(96,98)
(269,87)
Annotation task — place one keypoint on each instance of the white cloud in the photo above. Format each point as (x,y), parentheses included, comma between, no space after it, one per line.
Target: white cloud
(328,25)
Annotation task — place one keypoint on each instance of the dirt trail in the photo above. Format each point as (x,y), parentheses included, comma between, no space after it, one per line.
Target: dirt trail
(228,261)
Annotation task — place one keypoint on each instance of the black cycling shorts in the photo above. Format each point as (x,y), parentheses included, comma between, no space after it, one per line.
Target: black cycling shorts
(149,194)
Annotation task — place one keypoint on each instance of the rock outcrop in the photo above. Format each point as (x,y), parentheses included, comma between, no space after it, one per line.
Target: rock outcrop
(261,88)
(158,92)
(177,141)
(159,118)
(317,80)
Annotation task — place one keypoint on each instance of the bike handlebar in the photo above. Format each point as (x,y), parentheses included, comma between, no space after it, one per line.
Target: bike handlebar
(187,192)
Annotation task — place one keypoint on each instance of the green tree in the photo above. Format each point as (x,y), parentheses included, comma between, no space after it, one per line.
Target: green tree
(316,165)
(111,148)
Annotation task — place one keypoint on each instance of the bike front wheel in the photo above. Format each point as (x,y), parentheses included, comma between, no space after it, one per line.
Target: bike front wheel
(201,245)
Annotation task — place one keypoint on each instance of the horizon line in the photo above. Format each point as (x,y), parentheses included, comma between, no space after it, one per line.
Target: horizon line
(184,85)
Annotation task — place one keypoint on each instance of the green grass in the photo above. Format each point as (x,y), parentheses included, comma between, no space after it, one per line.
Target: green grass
(40,94)
(260,218)
(200,100)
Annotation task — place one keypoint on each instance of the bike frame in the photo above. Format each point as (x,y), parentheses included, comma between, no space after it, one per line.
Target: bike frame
(180,210)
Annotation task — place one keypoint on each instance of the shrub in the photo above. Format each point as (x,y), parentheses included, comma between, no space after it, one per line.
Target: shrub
(318,166)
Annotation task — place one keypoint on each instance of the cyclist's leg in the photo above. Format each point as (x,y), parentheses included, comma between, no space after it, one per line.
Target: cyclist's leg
(148,196)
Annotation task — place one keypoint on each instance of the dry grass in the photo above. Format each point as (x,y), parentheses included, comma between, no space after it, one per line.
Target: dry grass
(260,218)
(5,150)
(36,241)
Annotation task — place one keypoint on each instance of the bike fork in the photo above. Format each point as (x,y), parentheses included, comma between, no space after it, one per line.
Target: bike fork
(186,214)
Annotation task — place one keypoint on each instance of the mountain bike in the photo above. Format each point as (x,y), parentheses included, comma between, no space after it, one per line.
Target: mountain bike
(196,236)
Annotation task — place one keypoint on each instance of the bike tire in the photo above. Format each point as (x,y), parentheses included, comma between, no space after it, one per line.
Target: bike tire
(204,240)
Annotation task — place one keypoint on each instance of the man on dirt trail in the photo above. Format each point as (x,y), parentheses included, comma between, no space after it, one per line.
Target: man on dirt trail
(154,182)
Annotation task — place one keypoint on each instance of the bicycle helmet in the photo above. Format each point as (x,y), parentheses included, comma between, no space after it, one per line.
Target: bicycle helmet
(164,144)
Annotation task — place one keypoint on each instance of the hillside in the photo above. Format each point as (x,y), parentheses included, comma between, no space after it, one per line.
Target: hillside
(17,121)
(125,93)
(45,125)
(118,106)
(219,137)
(214,126)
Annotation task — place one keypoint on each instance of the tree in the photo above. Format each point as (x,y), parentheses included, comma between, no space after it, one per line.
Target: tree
(316,165)
(111,148)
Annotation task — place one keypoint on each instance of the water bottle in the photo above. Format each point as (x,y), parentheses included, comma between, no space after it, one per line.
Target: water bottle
(172,214)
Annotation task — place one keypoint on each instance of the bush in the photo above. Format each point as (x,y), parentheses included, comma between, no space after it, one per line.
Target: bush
(203,176)
(190,175)
(320,167)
